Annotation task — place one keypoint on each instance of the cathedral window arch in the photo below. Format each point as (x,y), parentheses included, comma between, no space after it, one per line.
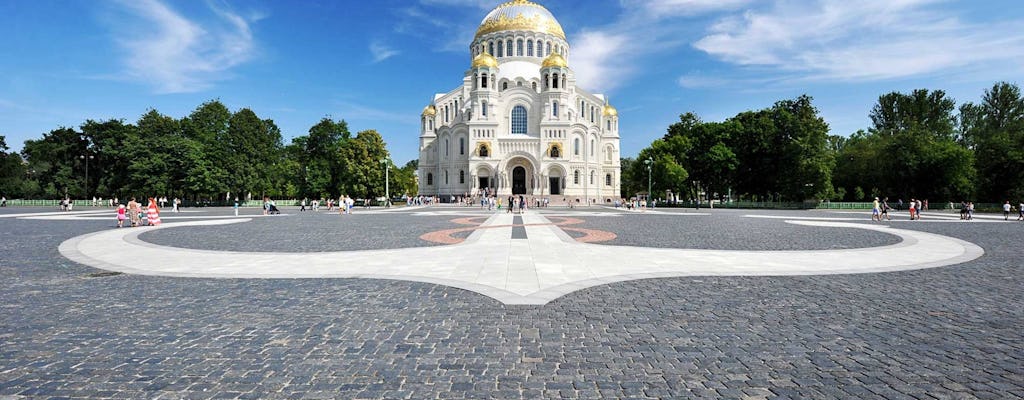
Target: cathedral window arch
(430,179)
(462,146)
(609,124)
(591,147)
(554,109)
(445,177)
(508,48)
(608,179)
(462,177)
(490,47)
(501,48)
(446,148)
(592,173)
(446,114)
(529,48)
(555,81)
(576,177)
(519,120)
(483,81)
(504,85)
(535,85)
(576,146)
(519,47)
(547,49)
(483,109)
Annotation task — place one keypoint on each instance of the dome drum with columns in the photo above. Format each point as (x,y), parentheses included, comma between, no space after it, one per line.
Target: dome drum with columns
(518,123)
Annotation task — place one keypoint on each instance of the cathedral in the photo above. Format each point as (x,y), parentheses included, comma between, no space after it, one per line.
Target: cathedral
(518,123)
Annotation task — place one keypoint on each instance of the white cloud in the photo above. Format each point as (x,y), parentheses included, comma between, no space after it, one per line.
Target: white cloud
(664,8)
(862,41)
(381,52)
(176,54)
(597,58)
(482,4)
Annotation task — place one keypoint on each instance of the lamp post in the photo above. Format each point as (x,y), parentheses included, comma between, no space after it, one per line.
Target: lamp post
(387,188)
(648,162)
(86,158)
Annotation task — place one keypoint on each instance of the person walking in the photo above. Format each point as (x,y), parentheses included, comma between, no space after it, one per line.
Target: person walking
(121,215)
(1020,211)
(913,209)
(876,212)
(236,206)
(885,210)
(1006,210)
(920,207)
(152,213)
(302,206)
(135,212)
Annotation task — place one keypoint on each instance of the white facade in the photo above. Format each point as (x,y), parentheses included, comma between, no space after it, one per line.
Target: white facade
(518,123)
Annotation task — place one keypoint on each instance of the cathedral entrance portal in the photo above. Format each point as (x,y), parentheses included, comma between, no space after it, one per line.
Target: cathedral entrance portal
(555,185)
(519,180)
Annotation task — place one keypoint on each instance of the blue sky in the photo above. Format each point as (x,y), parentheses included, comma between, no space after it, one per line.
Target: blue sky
(377,64)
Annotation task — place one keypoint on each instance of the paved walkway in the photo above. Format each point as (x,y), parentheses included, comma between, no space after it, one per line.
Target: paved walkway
(516,259)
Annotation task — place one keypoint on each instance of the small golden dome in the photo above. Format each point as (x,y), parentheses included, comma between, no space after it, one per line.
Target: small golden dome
(484,60)
(610,111)
(429,111)
(555,60)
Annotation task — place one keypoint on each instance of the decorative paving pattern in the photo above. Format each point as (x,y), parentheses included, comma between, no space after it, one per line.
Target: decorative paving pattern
(71,331)
(535,271)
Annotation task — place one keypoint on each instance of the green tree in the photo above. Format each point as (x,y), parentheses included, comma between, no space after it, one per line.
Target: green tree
(13,174)
(363,174)
(109,174)
(995,129)
(207,129)
(54,161)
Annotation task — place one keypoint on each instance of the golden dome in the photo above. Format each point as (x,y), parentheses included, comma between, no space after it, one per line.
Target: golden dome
(484,60)
(429,111)
(610,111)
(554,60)
(520,15)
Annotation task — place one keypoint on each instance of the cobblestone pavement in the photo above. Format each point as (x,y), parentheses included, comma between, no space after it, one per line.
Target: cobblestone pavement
(70,331)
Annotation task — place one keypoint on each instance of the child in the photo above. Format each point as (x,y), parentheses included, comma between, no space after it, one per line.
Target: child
(121,216)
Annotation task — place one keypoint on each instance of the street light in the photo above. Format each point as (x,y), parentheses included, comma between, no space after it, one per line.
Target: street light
(387,188)
(86,158)
(648,162)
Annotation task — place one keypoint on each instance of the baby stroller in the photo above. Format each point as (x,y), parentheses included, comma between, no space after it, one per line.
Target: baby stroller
(272,209)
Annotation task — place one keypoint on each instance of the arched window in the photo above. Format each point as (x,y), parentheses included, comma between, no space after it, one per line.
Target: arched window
(445,113)
(529,48)
(591,147)
(576,177)
(462,177)
(508,48)
(501,49)
(490,48)
(483,151)
(519,120)
(608,179)
(483,81)
(609,125)
(430,179)
(519,47)
(446,148)
(535,86)
(462,146)
(547,49)
(483,109)
(591,177)
(555,82)
(431,124)
(555,152)
(576,146)
(504,85)
(554,109)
